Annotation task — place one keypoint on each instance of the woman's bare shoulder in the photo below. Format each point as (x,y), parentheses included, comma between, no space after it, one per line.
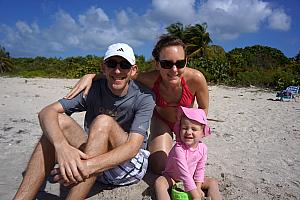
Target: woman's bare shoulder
(148,78)
(193,75)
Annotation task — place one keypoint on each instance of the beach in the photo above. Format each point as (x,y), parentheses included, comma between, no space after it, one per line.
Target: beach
(254,149)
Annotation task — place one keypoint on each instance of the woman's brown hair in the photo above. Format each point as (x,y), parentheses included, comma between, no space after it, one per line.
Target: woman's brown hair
(166,41)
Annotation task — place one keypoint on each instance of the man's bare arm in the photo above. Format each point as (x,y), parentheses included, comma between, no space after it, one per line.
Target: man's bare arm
(116,156)
(68,157)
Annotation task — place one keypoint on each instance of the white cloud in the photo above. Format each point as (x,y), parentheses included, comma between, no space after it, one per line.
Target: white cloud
(35,28)
(94,16)
(24,39)
(73,40)
(56,46)
(122,18)
(279,20)
(170,12)
(93,30)
(23,28)
(89,31)
(227,19)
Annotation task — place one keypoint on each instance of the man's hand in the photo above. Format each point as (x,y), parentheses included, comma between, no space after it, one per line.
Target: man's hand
(57,178)
(72,167)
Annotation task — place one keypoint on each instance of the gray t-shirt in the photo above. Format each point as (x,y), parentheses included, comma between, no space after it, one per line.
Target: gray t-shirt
(133,111)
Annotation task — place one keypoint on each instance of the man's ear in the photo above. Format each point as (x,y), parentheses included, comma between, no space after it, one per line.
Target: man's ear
(133,71)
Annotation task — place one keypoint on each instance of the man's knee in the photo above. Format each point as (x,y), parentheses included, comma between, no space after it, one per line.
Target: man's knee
(102,123)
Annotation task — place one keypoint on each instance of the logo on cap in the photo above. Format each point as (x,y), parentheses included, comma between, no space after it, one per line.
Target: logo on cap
(121,49)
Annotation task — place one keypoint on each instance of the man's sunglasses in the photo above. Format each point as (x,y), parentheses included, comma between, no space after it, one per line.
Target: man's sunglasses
(167,64)
(124,64)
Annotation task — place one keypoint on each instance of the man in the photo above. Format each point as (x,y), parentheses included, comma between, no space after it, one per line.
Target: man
(118,112)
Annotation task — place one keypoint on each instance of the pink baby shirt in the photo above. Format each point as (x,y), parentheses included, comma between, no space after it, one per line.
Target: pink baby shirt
(186,164)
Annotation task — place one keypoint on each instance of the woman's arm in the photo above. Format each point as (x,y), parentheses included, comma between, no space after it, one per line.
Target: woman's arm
(85,84)
(147,78)
(200,87)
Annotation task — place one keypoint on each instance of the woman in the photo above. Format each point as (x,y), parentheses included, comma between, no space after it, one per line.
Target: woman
(174,85)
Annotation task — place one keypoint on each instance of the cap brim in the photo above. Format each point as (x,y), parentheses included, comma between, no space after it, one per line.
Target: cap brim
(197,115)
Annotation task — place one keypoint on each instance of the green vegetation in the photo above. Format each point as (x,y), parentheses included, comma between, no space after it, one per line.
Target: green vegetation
(245,67)
(195,37)
(253,65)
(71,67)
(5,61)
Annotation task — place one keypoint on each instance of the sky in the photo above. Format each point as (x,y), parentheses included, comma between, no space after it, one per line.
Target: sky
(64,28)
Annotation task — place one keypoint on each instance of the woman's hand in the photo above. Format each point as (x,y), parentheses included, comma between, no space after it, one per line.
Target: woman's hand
(84,83)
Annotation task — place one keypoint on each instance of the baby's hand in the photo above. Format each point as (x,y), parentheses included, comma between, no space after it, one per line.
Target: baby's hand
(202,194)
(197,194)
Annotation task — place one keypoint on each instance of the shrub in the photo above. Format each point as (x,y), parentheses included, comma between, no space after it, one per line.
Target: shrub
(215,71)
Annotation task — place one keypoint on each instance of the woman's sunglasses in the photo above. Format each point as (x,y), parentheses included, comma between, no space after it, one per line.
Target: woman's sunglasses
(124,64)
(167,64)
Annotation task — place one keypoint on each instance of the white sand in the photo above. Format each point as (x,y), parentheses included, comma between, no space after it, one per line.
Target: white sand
(254,150)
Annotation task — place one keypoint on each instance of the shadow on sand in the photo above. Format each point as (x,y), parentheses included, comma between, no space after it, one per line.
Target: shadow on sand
(96,189)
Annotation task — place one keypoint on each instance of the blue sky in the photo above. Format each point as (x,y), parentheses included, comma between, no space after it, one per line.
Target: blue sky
(63,28)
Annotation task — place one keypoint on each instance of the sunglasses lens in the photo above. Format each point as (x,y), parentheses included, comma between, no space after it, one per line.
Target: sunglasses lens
(123,64)
(167,64)
(111,63)
(180,64)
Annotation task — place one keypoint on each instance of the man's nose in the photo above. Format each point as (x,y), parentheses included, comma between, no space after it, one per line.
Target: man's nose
(118,68)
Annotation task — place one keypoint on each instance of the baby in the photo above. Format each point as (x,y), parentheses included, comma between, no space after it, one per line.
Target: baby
(187,159)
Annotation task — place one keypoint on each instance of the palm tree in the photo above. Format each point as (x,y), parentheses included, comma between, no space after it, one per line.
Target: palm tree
(177,30)
(5,61)
(5,65)
(195,37)
(3,52)
(196,40)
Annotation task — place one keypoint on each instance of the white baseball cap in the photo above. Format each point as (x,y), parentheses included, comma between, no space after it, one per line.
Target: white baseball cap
(121,49)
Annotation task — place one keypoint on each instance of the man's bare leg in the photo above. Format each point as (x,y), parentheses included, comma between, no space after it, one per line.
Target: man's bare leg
(42,160)
(39,165)
(105,134)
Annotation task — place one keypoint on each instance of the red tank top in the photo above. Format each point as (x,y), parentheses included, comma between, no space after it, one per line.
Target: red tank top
(187,98)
